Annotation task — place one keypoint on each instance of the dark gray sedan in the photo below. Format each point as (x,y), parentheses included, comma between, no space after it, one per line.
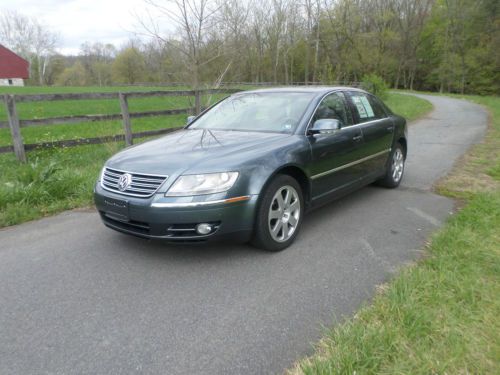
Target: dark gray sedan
(250,167)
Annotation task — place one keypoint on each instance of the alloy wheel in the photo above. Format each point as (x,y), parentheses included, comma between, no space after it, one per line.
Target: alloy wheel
(284,213)
(397,165)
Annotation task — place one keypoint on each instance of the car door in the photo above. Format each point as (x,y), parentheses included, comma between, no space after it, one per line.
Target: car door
(334,155)
(377,128)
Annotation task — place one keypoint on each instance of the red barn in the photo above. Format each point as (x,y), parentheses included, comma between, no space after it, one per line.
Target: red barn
(13,68)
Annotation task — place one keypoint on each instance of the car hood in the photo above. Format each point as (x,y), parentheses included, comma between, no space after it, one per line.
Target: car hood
(177,152)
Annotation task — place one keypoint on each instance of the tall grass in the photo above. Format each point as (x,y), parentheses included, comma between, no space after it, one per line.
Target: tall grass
(53,180)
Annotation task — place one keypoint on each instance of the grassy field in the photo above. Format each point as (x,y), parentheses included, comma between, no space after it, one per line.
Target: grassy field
(410,109)
(35,110)
(440,316)
(62,178)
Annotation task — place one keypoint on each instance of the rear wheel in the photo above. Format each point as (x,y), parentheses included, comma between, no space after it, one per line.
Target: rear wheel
(279,214)
(395,168)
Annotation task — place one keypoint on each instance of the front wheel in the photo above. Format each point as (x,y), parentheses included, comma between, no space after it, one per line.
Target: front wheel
(395,168)
(279,214)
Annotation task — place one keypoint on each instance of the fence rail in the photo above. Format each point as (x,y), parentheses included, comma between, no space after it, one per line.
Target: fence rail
(232,84)
(88,141)
(15,124)
(65,120)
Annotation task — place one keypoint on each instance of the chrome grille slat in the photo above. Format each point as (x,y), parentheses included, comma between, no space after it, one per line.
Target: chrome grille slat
(147,179)
(138,190)
(110,179)
(109,184)
(109,173)
(141,185)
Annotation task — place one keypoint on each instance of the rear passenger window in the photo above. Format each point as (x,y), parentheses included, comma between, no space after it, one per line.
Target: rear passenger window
(368,107)
(334,106)
(377,106)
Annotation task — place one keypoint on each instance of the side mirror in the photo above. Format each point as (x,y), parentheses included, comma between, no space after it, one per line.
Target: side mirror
(190,119)
(325,126)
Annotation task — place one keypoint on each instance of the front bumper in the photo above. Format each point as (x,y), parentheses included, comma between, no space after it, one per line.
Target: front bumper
(159,218)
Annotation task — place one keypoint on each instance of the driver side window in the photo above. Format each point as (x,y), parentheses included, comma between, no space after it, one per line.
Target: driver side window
(334,106)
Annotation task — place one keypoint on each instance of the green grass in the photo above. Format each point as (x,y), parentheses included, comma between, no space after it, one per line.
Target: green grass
(62,178)
(90,129)
(440,316)
(80,107)
(52,181)
(36,110)
(410,109)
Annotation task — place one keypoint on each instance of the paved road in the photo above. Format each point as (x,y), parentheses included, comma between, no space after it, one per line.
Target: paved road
(76,298)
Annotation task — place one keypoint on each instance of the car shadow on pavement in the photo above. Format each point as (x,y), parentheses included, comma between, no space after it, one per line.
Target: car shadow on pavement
(213,251)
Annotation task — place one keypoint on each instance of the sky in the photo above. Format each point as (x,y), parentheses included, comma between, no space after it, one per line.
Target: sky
(78,21)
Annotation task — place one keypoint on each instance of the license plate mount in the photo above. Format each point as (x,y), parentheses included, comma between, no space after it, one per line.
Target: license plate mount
(117,209)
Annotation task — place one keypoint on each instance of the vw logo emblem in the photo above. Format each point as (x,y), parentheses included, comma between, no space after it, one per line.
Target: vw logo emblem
(124,181)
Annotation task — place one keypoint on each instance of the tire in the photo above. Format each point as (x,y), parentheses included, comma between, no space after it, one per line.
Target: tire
(395,168)
(283,215)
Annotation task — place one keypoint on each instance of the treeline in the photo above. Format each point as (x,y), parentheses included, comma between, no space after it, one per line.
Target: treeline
(438,45)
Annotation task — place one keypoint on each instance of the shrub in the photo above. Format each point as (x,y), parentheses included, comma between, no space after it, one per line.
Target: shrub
(375,84)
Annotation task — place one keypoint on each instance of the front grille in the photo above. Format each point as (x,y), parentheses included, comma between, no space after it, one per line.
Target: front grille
(141,185)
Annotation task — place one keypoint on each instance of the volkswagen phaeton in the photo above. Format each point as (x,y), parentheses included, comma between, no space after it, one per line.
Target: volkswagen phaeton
(249,167)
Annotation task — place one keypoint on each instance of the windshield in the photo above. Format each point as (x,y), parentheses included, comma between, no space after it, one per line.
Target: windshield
(267,112)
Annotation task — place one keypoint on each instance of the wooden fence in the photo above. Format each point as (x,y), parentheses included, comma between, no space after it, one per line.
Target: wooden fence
(15,124)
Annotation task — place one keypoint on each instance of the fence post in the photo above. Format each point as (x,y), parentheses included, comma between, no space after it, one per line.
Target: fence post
(197,102)
(126,119)
(15,129)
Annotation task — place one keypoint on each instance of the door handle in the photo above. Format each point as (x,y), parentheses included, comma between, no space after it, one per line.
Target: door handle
(357,138)
(390,129)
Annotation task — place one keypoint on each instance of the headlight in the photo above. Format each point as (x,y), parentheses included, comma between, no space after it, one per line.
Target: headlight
(198,184)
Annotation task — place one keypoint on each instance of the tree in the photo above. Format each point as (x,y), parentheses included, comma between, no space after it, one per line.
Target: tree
(195,21)
(72,76)
(129,66)
(411,16)
(97,59)
(447,45)
(461,46)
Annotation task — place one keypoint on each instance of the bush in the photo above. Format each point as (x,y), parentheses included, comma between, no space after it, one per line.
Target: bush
(375,84)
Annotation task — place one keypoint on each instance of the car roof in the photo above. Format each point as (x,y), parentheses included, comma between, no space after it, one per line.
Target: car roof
(311,89)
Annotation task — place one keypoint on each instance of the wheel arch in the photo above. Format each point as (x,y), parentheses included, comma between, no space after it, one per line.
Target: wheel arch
(403,143)
(298,174)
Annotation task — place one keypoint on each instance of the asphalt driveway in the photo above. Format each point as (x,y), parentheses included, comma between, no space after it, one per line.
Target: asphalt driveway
(77,298)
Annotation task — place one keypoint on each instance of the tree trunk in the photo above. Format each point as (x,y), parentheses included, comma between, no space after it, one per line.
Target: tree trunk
(40,74)
(316,53)
(306,65)
(462,80)
(276,63)
(398,74)
(285,64)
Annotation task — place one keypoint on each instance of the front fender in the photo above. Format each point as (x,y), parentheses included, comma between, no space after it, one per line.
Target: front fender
(255,176)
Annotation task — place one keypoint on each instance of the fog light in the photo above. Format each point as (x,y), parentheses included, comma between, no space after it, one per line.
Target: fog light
(203,228)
